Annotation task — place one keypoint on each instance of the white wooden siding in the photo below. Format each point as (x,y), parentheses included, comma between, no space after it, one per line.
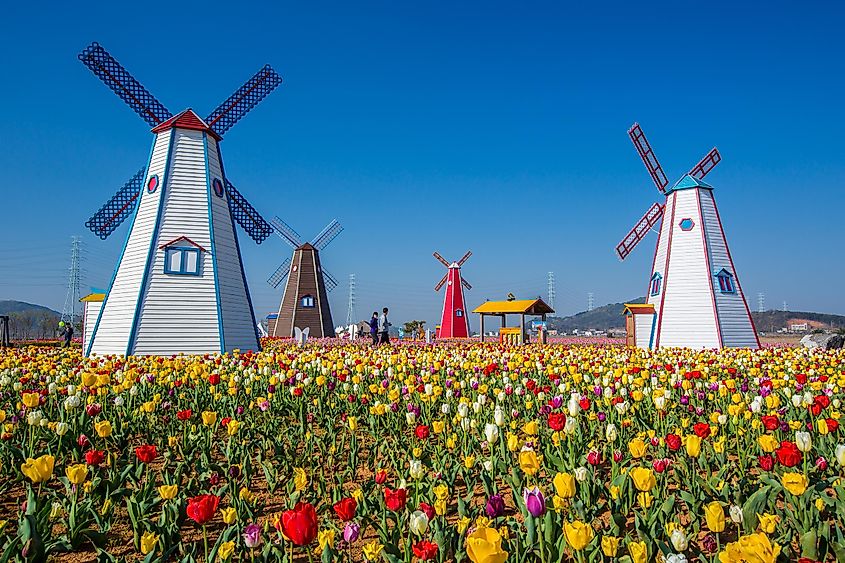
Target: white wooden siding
(115,321)
(687,317)
(737,330)
(642,329)
(179,312)
(91,312)
(660,255)
(238,319)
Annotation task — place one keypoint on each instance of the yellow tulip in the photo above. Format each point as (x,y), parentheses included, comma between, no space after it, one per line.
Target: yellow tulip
(530,428)
(38,470)
(513,442)
(438,426)
(637,448)
(372,550)
(76,474)
(31,400)
(103,428)
(167,492)
(609,546)
(232,427)
(300,478)
(528,462)
(352,421)
(643,478)
(209,418)
(638,551)
(693,445)
(795,483)
(148,542)
(577,534)
(230,515)
(326,538)
(714,514)
(226,550)
(645,500)
(767,443)
(768,522)
(564,485)
(484,545)
(755,547)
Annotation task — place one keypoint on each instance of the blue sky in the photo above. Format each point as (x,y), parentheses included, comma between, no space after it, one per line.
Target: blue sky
(444,126)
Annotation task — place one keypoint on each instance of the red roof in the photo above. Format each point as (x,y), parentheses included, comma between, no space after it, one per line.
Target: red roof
(180,239)
(185,120)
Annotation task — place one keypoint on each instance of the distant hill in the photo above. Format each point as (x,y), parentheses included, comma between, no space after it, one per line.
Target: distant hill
(9,306)
(610,316)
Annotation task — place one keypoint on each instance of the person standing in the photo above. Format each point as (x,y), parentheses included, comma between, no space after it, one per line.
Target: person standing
(374,328)
(67,333)
(384,327)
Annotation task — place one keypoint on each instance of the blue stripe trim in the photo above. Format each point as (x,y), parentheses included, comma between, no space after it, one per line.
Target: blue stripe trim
(163,193)
(240,260)
(122,252)
(653,327)
(213,248)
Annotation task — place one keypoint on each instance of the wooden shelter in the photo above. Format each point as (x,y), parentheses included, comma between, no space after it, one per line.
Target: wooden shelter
(521,307)
(639,324)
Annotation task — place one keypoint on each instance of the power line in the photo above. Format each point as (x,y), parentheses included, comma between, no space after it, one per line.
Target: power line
(71,305)
(761,302)
(551,290)
(589,302)
(350,310)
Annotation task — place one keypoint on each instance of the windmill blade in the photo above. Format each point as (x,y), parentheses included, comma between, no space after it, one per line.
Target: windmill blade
(465,283)
(327,235)
(465,258)
(246,215)
(124,85)
(286,232)
(442,260)
(649,158)
(280,274)
(241,102)
(328,280)
(640,230)
(706,164)
(442,281)
(118,208)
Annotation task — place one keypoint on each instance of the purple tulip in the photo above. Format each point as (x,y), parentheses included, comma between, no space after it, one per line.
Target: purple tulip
(495,506)
(252,536)
(602,417)
(557,401)
(534,502)
(351,532)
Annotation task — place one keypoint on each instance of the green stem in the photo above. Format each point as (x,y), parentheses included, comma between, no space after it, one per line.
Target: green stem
(205,541)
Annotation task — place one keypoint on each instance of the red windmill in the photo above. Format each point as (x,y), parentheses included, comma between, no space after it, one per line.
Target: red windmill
(453,322)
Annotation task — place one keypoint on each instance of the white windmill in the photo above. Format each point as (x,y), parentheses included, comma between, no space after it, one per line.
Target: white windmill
(694,298)
(179,286)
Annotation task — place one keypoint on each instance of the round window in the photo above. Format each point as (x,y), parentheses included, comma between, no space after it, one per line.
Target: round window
(152,183)
(217,186)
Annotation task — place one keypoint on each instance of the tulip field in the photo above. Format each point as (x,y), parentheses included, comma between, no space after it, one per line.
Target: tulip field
(410,452)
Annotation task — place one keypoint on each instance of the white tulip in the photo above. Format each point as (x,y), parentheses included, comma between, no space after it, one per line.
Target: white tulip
(839,454)
(570,426)
(463,409)
(804,441)
(679,540)
(476,407)
(499,416)
(797,400)
(416,471)
(736,514)
(676,558)
(465,425)
(488,466)
(491,432)
(62,428)
(610,432)
(581,474)
(418,522)
(411,417)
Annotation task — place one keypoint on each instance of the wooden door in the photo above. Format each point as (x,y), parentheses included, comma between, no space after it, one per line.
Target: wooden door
(630,337)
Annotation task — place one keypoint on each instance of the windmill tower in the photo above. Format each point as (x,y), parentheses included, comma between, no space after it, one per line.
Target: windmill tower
(179,286)
(454,322)
(694,296)
(305,303)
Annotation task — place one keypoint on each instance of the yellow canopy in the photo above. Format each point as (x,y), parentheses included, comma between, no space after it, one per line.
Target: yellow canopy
(638,308)
(526,306)
(93,297)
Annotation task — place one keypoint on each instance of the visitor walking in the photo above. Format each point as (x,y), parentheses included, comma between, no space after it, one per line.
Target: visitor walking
(374,328)
(384,327)
(67,334)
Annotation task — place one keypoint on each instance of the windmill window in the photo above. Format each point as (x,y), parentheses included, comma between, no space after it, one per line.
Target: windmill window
(307,301)
(152,183)
(726,281)
(182,261)
(459,312)
(217,186)
(656,284)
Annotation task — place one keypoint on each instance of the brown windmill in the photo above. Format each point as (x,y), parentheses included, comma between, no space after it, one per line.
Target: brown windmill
(305,303)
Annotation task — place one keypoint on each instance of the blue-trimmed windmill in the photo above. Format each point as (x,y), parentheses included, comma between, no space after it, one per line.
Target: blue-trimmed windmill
(179,286)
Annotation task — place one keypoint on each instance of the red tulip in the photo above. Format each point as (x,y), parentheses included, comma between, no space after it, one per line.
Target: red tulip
(788,454)
(83,441)
(428,509)
(381,477)
(771,422)
(345,509)
(146,453)
(214,379)
(201,508)
(94,457)
(557,420)
(660,465)
(594,457)
(766,461)
(832,425)
(617,456)
(673,441)
(421,431)
(184,415)
(701,429)
(300,524)
(395,500)
(425,550)
(584,403)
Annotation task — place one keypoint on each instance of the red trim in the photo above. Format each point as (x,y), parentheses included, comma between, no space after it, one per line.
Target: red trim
(656,248)
(708,272)
(174,241)
(736,276)
(186,120)
(666,269)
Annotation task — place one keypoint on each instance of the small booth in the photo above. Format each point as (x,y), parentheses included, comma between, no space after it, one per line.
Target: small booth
(521,307)
(91,305)
(639,324)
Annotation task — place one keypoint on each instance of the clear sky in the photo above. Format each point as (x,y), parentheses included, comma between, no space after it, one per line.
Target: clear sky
(498,127)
